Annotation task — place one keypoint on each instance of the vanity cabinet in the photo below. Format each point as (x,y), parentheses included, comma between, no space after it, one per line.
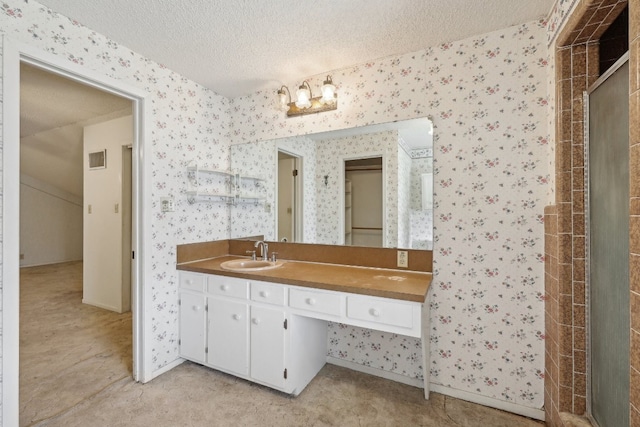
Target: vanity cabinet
(276,334)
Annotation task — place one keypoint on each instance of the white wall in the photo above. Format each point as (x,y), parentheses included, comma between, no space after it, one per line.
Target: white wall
(103,222)
(50,224)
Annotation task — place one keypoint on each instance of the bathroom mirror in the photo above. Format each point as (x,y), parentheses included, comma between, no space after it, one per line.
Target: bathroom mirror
(364,186)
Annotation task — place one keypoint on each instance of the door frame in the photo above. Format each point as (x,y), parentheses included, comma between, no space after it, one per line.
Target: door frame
(585,97)
(298,195)
(14,53)
(341,168)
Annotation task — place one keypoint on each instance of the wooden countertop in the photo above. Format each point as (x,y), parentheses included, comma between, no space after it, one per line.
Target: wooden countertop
(396,284)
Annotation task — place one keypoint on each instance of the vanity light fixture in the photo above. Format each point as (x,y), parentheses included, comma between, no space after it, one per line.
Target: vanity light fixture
(305,103)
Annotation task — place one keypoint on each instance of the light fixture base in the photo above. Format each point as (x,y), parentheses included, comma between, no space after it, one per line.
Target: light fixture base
(316,107)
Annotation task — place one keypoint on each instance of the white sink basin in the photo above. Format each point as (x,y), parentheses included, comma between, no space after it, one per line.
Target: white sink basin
(241,265)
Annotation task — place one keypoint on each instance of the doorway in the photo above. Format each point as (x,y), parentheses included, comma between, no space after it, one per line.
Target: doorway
(363,202)
(289,197)
(608,204)
(13,55)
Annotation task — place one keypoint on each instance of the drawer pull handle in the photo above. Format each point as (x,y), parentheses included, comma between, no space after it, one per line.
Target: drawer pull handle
(237,317)
(374,312)
(311,301)
(196,308)
(256,321)
(264,294)
(224,287)
(189,282)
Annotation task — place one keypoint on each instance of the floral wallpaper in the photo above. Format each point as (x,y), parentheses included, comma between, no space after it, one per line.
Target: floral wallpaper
(189,123)
(488,98)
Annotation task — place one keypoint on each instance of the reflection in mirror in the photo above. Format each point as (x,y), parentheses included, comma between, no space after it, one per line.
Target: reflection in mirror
(325,183)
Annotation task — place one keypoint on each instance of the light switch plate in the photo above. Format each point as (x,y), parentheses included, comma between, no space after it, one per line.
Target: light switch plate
(403,259)
(166,204)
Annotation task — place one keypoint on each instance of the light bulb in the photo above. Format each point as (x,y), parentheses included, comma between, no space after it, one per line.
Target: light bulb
(328,91)
(303,97)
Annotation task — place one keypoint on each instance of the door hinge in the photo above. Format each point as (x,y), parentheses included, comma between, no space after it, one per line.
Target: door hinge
(133,254)
(206,308)
(285,374)
(179,302)
(295,172)
(179,342)
(285,323)
(206,350)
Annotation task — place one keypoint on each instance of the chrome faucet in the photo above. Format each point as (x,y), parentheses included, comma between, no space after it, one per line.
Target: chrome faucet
(265,249)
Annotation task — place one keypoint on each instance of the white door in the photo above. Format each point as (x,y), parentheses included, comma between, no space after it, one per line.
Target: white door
(228,335)
(268,346)
(192,326)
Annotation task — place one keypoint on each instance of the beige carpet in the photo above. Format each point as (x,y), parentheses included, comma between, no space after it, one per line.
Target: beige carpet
(76,371)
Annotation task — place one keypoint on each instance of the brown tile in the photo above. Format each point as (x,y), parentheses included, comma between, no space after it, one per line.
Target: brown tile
(564,95)
(593,62)
(565,340)
(579,339)
(551,246)
(634,392)
(634,20)
(563,62)
(634,59)
(565,371)
(565,309)
(564,248)
(579,318)
(553,269)
(579,270)
(579,65)
(635,350)
(550,210)
(577,148)
(601,15)
(564,218)
(580,384)
(565,402)
(563,186)
(635,311)
(578,224)
(634,206)
(580,361)
(578,292)
(634,239)
(564,278)
(578,246)
(634,170)
(577,50)
(578,179)
(579,405)
(635,416)
(634,117)
(634,273)
(578,86)
(578,201)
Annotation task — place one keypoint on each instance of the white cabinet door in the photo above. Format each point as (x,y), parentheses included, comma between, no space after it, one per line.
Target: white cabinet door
(229,335)
(268,351)
(192,326)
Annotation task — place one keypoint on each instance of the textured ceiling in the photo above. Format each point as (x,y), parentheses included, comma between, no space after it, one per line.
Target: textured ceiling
(238,47)
(48,101)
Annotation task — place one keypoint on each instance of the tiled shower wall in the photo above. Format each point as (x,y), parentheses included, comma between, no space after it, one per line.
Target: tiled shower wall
(576,66)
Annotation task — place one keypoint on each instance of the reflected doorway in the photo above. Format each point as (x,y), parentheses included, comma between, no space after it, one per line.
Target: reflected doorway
(363,203)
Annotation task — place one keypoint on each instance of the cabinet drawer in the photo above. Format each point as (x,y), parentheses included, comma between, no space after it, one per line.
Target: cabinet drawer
(192,281)
(268,293)
(380,311)
(228,286)
(321,302)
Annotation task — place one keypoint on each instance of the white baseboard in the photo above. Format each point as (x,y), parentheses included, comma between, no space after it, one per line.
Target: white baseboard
(415,382)
(537,414)
(166,368)
(97,304)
